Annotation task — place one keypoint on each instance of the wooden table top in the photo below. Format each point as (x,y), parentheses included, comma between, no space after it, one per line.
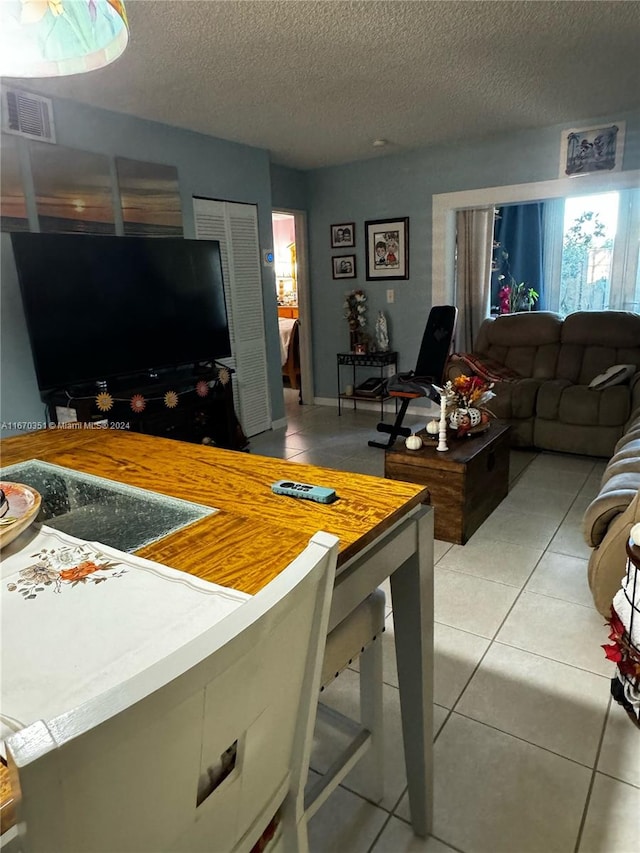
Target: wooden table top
(255,534)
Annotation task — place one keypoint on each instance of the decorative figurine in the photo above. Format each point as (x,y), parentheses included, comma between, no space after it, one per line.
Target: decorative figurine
(382,334)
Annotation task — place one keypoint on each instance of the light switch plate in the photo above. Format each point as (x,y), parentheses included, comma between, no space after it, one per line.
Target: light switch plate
(391,296)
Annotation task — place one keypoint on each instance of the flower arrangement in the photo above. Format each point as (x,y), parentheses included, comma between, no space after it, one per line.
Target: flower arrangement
(466,398)
(355,309)
(516,297)
(468,392)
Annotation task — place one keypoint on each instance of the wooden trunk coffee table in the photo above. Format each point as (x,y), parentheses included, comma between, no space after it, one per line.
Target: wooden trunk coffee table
(466,482)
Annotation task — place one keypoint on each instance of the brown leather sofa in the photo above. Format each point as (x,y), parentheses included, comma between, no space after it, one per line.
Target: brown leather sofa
(547,364)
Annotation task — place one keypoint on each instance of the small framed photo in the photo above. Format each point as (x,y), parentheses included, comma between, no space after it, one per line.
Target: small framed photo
(343,236)
(344,266)
(592,149)
(387,248)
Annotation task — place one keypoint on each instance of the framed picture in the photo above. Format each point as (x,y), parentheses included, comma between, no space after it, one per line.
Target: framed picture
(592,149)
(344,266)
(343,236)
(387,248)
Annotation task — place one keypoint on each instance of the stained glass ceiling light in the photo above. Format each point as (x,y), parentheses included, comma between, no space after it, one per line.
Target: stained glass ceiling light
(53,38)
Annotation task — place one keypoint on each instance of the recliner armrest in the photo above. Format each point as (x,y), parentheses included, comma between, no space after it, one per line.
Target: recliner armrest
(603,509)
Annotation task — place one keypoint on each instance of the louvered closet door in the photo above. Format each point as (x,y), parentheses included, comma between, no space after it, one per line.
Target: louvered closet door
(235,226)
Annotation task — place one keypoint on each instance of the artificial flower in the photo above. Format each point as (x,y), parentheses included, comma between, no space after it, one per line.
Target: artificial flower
(171,399)
(104,401)
(80,571)
(138,403)
(224,376)
(202,388)
(355,309)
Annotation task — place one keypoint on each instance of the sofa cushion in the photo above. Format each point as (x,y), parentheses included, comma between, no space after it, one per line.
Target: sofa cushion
(629,449)
(614,329)
(581,405)
(549,396)
(527,343)
(593,341)
(630,435)
(514,399)
(625,468)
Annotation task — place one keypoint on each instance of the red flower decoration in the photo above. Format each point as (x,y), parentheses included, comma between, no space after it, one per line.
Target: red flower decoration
(138,403)
(612,653)
(202,388)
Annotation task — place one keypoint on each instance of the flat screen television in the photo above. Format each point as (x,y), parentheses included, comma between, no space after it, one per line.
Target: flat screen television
(102,307)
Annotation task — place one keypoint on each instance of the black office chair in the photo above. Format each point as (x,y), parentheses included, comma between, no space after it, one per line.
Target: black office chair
(432,358)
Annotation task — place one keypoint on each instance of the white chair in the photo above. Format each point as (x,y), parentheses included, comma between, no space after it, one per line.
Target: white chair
(357,636)
(199,752)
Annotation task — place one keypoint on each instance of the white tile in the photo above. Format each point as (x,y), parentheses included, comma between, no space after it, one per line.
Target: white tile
(536,500)
(320,457)
(569,539)
(456,654)
(565,462)
(345,822)
(504,562)
(547,703)
(497,794)
(440,548)
(613,818)
(519,460)
(440,714)
(343,695)
(620,754)
(562,576)
(471,604)
(545,478)
(398,837)
(559,630)
(504,525)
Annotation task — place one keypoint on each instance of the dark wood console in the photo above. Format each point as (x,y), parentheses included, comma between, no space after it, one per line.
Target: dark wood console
(200,418)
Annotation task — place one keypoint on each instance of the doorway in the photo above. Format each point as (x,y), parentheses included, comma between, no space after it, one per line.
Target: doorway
(292,294)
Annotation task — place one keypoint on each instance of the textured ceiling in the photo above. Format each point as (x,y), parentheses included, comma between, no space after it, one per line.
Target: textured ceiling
(316,82)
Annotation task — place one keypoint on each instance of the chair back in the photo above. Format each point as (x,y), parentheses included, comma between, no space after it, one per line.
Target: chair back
(436,342)
(199,751)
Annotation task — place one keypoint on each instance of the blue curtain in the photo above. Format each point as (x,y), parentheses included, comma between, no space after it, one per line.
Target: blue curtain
(518,231)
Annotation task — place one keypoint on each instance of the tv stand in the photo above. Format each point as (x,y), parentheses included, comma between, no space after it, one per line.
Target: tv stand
(200,418)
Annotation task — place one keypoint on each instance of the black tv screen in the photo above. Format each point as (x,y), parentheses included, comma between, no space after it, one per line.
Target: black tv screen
(100,307)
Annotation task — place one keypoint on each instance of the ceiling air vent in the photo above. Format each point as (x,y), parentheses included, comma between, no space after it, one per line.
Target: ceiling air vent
(28,115)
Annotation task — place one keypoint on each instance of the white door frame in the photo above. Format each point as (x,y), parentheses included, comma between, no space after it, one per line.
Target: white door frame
(445,205)
(304,300)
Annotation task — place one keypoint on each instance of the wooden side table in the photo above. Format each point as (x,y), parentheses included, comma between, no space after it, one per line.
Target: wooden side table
(466,483)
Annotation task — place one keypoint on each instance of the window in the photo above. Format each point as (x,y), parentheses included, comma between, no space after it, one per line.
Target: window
(594,267)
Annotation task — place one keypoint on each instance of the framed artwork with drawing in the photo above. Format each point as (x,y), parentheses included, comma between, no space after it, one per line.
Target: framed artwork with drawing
(592,149)
(343,236)
(344,266)
(387,248)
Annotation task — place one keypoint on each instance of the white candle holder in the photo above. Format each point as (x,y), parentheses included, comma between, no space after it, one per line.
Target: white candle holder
(442,433)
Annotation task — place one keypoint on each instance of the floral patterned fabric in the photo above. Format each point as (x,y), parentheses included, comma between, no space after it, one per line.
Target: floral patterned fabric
(80,618)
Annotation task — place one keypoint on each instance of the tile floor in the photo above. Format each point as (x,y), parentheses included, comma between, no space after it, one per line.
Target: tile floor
(530,754)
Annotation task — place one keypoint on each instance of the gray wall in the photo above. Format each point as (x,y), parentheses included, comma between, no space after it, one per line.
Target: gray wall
(394,185)
(206,166)
(403,185)
(288,188)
